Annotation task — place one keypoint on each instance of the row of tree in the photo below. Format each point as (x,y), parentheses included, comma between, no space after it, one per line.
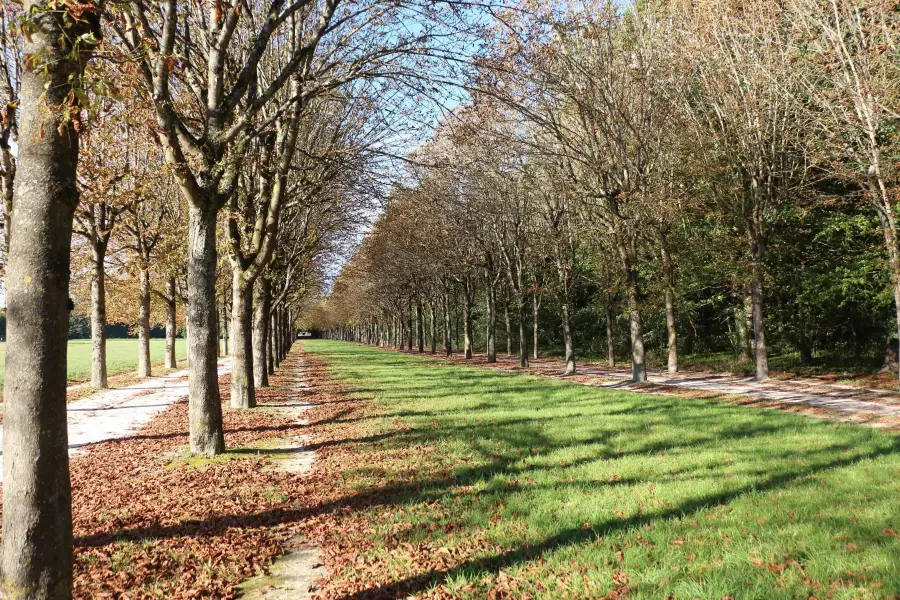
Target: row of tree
(211,155)
(725,168)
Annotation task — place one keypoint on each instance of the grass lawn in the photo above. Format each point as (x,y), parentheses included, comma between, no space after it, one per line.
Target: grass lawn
(121,355)
(552,489)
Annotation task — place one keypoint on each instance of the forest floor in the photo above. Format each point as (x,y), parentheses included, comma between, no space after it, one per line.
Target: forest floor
(451,481)
(844,402)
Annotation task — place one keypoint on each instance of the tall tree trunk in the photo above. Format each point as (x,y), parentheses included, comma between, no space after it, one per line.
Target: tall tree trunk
(37,501)
(567,339)
(743,318)
(420,325)
(536,307)
(205,407)
(467,317)
(226,329)
(523,343)
(98,318)
(243,393)
(270,354)
(431,329)
(759,334)
(490,337)
(261,332)
(638,357)
(610,339)
(171,322)
(508,327)
(448,337)
(669,277)
(410,331)
(144,368)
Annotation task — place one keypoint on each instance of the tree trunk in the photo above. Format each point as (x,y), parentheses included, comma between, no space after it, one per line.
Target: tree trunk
(536,307)
(420,325)
(144,368)
(610,339)
(431,329)
(567,339)
(668,276)
(226,329)
(638,357)
(37,501)
(448,336)
(490,337)
(410,332)
(171,323)
(759,335)
(467,318)
(270,354)
(508,327)
(742,318)
(98,319)
(523,344)
(261,333)
(205,407)
(243,393)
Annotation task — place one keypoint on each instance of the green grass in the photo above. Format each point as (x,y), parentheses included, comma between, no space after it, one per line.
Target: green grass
(121,356)
(579,487)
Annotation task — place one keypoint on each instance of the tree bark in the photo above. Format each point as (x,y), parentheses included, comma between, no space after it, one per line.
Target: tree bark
(261,332)
(523,343)
(638,356)
(98,318)
(668,276)
(205,408)
(420,325)
(759,334)
(243,393)
(171,323)
(431,329)
(270,354)
(448,337)
(536,307)
(567,339)
(508,327)
(610,339)
(226,329)
(467,318)
(144,368)
(490,337)
(37,501)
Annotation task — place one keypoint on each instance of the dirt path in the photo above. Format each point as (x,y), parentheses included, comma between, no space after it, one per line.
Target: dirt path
(115,413)
(877,408)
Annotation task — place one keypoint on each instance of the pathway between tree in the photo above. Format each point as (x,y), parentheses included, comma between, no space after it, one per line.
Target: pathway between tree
(115,413)
(877,408)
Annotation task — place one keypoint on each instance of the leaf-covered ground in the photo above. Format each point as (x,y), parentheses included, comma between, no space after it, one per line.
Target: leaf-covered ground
(435,480)
(471,483)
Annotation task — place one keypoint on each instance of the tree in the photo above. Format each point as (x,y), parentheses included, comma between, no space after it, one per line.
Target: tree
(37,510)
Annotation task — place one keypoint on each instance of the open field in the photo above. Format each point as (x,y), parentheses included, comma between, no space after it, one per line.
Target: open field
(121,356)
(472,481)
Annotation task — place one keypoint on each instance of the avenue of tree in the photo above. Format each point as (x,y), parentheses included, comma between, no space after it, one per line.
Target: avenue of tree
(672,178)
(192,165)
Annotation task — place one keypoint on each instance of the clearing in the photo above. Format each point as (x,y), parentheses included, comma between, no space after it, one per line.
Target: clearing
(121,356)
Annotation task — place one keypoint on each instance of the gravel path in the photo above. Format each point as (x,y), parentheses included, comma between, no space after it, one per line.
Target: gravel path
(856,403)
(115,413)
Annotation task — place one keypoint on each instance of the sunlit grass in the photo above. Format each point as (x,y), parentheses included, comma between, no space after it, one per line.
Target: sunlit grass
(121,356)
(585,489)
